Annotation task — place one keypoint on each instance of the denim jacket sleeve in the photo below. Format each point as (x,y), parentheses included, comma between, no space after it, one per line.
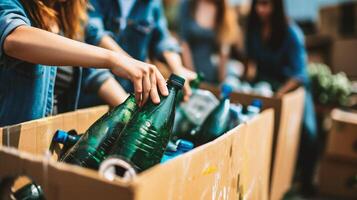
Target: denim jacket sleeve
(93,78)
(162,40)
(12,15)
(94,30)
(297,56)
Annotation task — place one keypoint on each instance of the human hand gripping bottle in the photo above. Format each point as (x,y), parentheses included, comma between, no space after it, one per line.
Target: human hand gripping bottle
(143,141)
(217,123)
(96,143)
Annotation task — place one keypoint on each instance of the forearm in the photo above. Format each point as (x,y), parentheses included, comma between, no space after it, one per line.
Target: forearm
(187,56)
(222,68)
(112,93)
(109,43)
(250,70)
(42,47)
(174,61)
(290,85)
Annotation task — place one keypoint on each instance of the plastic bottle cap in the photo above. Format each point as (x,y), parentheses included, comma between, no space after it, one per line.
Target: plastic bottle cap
(185,145)
(257,103)
(176,81)
(60,136)
(226,90)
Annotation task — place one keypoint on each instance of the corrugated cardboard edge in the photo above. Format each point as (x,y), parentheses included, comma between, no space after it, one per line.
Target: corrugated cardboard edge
(219,169)
(287,143)
(59,180)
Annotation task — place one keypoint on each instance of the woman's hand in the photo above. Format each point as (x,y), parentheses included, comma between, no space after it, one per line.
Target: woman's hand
(289,86)
(188,75)
(146,78)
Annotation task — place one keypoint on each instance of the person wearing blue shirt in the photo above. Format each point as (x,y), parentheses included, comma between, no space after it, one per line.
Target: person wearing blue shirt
(275,48)
(35,37)
(137,27)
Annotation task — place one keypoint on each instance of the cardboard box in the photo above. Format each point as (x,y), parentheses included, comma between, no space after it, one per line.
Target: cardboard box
(344,57)
(338,178)
(342,139)
(235,166)
(286,138)
(339,21)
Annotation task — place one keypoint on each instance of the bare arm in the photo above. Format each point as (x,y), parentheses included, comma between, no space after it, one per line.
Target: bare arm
(187,56)
(222,65)
(175,63)
(290,85)
(109,43)
(112,98)
(38,46)
(42,47)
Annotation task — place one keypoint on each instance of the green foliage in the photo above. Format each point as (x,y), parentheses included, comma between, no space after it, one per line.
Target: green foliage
(328,88)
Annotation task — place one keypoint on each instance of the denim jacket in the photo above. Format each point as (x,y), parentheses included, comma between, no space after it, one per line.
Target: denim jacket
(26,89)
(146,31)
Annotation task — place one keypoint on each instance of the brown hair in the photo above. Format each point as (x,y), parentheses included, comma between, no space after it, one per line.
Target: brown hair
(70,15)
(226,24)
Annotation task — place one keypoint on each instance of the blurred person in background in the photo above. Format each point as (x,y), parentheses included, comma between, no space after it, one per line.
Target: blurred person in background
(36,37)
(138,27)
(275,48)
(207,28)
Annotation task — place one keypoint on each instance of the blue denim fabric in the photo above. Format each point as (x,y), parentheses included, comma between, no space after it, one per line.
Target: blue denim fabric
(146,31)
(26,89)
(289,61)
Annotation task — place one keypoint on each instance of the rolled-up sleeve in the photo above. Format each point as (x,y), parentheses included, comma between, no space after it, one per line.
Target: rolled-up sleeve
(94,31)
(12,15)
(162,40)
(93,79)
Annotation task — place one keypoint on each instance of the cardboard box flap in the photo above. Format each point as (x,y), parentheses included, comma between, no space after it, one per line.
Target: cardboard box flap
(344,116)
(59,180)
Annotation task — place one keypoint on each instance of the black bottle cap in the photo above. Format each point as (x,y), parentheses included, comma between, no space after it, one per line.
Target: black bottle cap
(176,81)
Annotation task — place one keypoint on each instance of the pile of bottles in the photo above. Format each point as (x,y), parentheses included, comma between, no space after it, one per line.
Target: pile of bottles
(260,88)
(216,119)
(136,138)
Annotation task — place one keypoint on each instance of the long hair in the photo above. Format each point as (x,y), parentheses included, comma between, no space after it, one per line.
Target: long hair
(70,15)
(278,21)
(226,24)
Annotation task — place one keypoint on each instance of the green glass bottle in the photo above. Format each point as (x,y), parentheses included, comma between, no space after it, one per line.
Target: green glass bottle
(98,140)
(143,141)
(30,191)
(217,123)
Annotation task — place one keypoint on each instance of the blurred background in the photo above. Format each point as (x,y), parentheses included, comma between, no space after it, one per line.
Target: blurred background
(330,33)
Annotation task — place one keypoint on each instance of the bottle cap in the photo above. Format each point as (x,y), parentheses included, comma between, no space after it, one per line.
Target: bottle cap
(60,136)
(257,103)
(184,145)
(176,81)
(226,90)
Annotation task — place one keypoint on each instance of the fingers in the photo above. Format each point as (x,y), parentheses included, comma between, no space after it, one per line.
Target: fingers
(138,89)
(187,92)
(161,83)
(191,75)
(146,88)
(154,94)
